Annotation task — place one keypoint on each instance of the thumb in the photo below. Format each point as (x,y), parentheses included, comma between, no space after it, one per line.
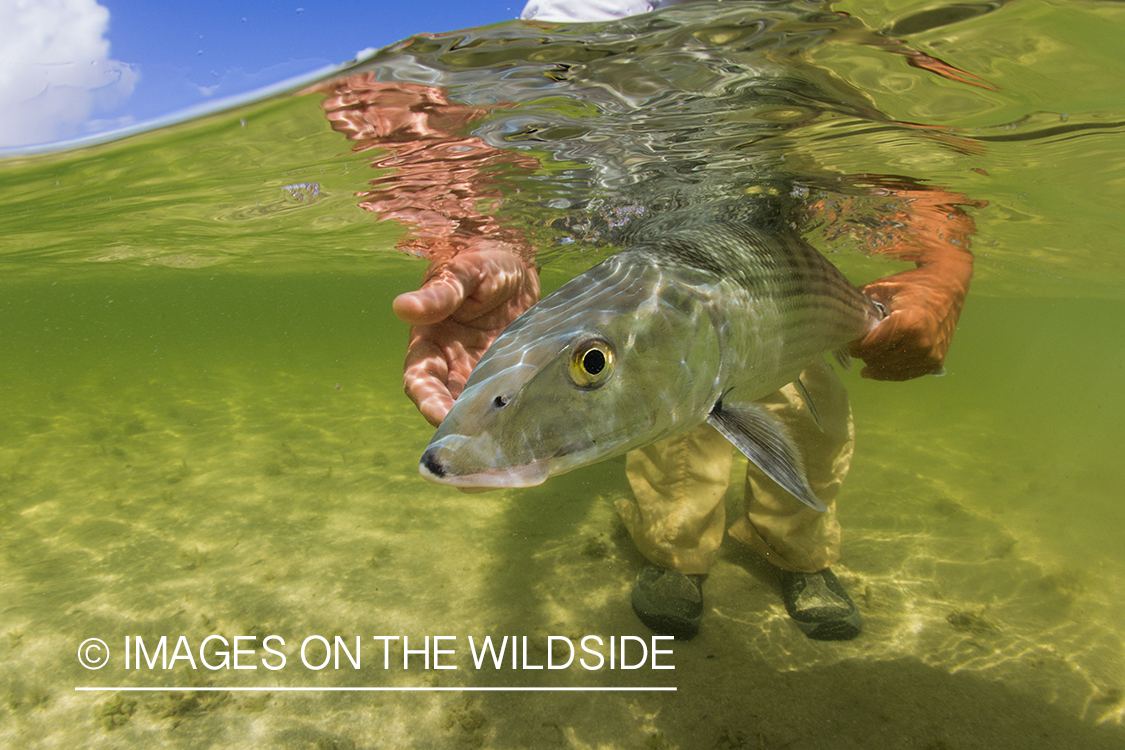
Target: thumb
(438,298)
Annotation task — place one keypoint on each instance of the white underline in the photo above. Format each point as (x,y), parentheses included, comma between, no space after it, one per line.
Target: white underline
(370,689)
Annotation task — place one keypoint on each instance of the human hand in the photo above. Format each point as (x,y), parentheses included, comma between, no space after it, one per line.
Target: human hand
(465,302)
(923,305)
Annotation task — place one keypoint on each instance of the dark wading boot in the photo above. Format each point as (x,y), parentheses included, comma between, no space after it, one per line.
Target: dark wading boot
(668,602)
(819,605)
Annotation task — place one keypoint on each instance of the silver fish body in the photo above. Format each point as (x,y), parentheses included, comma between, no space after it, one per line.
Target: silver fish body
(693,323)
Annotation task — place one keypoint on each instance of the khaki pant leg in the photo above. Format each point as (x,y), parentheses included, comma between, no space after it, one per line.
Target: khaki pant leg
(676,516)
(777,525)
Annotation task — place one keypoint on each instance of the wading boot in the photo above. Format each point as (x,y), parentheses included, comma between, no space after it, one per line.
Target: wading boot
(668,602)
(819,605)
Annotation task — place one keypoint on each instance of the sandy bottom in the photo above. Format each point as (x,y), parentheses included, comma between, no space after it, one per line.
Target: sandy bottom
(253,502)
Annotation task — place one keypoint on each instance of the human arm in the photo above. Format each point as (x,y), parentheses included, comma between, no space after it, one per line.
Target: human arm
(930,228)
(445,185)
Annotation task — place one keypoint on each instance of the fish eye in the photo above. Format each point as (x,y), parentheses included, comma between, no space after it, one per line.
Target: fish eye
(591,363)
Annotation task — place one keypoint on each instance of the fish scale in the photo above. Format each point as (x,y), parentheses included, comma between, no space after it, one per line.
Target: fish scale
(783,284)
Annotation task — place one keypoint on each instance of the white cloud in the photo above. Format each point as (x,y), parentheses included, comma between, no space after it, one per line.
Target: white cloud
(55,69)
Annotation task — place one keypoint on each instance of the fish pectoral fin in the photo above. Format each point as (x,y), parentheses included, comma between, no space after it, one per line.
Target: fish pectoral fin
(755,432)
(809,403)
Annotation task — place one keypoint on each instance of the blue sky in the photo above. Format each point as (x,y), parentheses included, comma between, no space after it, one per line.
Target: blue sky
(74,68)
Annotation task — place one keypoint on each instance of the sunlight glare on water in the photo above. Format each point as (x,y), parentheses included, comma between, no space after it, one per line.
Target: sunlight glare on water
(203,432)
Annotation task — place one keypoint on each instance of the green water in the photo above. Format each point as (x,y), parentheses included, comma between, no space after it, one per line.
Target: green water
(202,432)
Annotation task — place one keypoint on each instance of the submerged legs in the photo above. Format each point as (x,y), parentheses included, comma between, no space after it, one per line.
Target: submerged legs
(677,516)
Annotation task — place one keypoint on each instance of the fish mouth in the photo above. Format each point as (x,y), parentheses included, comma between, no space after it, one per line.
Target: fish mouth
(439,471)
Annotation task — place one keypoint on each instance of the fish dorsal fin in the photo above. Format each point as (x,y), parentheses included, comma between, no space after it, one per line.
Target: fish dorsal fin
(755,432)
(809,403)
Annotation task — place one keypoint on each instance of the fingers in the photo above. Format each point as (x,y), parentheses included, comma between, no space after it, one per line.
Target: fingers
(425,380)
(899,368)
(438,298)
(461,308)
(468,288)
(901,347)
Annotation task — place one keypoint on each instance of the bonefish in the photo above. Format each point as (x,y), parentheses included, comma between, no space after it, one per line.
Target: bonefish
(703,314)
